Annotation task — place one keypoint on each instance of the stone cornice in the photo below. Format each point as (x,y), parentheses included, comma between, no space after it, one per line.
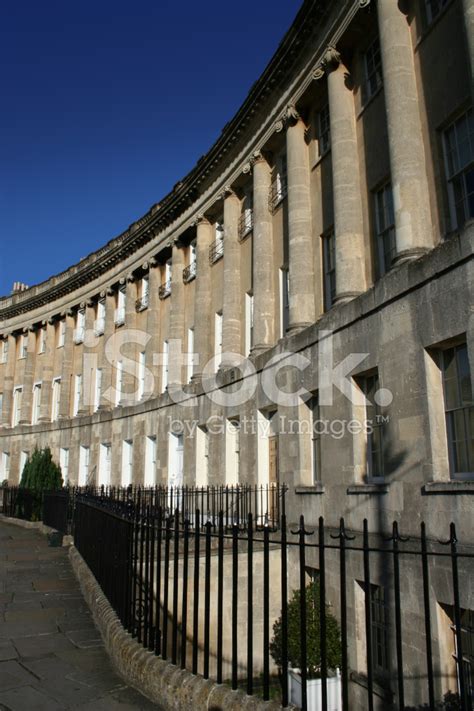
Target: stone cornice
(322,21)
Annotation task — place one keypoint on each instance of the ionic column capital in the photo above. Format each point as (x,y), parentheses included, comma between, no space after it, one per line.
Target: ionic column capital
(199,220)
(289,117)
(331,59)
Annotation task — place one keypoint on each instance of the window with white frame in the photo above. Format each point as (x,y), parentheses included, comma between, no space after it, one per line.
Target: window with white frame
(118,382)
(97,388)
(23,459)
(248,323)
(459,161)
(17,398)
(384,229)
(216,250)
(459,409)
(56,399)
(23,350)
(279,187)
(1,407)
(127,462)
(165,288)
(99,323)
(84,459)
(433,9)
(324,130)
(64,463)
(141,375)
(142,301)
(119,314)
(80,326)
(284,300)
(105,464)
(77,394)
(329,265)
(218,339)
(190,363)
(5,465)
(36,404)
(165,367)
(61,326)
(4,350)
(246,218)
(41,336)
(189,272)
(372,70)
(150,461)
(202,456)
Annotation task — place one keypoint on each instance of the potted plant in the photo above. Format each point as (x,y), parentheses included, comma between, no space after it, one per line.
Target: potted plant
(313,651)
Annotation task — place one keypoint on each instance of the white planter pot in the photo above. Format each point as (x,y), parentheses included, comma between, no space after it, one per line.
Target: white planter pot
(313,690)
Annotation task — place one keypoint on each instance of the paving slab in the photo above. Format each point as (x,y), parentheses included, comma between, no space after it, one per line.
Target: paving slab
(52,657)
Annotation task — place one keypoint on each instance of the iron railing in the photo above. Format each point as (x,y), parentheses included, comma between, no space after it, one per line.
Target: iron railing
(216,251)
(165,289)
(58,508)
(245,224)
(205,597)
(189,273)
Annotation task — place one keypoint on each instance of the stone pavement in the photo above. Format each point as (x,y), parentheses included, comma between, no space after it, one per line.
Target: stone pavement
(51,655)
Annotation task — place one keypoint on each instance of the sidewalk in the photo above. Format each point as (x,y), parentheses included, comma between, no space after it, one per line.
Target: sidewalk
(51,655)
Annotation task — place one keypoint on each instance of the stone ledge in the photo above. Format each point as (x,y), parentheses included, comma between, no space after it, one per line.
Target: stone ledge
(165,684)
(448,487)
(367,489)
(317,488)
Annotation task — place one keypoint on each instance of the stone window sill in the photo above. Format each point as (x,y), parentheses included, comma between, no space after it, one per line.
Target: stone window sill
(449,487)
(317,488)
(367,489)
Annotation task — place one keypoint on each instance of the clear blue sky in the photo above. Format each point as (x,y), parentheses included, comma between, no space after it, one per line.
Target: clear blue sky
(106,105)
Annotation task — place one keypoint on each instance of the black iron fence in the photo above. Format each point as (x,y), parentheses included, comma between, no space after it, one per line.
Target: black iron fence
(56,508)
(274,612)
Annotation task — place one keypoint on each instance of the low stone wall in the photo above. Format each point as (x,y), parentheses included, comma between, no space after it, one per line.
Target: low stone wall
(171,688)
(36,526)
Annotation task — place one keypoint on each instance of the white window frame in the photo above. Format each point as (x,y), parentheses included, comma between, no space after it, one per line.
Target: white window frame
(79,330)
(283,274)
(36,403)
(127,462)
(56,399)
(165,367)
(218,323)
(4,350)
(41,340)
(149,478)
(118,382)
(77,394)
(99,323)
(61,333)
(119,313)
(190,355)
(105,463)
(97,388)
(6,461)
(141,375)
(248,323)
(84,462)
(64,463)
(23,459)
(17,400)
(23,350)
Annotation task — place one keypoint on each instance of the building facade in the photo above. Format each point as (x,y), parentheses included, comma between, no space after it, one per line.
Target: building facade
(318,263)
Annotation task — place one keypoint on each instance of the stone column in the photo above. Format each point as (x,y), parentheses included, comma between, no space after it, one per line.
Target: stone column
(407,156)
(262,257)
(176,327)
(231,321)
(28,375)
(300,245)
(8,381)
(347,198)
(47,377)
(67,384)
(468,8)
(202,296)
(106,403)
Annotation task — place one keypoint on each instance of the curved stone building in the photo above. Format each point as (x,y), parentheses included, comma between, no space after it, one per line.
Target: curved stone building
(321,251)
(339,199)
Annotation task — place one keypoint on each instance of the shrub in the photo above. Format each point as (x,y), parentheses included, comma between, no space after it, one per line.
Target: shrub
(313,651)
(40,474)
